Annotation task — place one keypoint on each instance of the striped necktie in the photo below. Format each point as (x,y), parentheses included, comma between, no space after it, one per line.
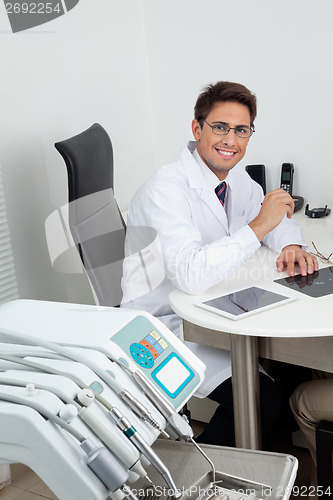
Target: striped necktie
(220,192)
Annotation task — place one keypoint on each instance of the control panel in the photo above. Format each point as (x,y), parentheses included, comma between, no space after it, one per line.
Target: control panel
(158,358)
(148,349)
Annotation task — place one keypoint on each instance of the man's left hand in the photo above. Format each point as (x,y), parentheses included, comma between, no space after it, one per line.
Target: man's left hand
(293,254)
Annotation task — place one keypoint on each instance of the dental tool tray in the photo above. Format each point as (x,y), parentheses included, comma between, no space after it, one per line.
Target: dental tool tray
(247,474)
(226,486)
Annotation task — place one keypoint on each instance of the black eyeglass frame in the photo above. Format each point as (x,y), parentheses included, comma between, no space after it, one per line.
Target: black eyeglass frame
(251,129)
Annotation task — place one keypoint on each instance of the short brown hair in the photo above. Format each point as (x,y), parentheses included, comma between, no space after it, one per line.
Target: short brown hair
(221,92)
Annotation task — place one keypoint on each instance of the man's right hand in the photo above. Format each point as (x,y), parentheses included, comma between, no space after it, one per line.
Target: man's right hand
(275,206)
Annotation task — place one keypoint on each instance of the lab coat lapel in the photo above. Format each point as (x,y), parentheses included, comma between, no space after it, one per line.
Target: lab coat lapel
(212,201)
(198,182)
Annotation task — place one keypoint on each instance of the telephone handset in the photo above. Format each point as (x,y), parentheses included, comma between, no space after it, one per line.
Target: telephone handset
(287,174)
(287,177)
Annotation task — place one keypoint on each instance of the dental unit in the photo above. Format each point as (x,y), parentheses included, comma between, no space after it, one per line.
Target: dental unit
(85,391)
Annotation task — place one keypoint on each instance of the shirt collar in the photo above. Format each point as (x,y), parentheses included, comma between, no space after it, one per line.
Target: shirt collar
(212,179)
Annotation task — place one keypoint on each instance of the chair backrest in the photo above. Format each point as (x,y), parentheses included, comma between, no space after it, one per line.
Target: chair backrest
(95,221)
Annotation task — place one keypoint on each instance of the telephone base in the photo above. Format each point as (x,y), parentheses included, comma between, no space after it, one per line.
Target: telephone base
(299,202)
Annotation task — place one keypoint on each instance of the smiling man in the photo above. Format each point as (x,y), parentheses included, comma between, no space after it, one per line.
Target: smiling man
(209,217)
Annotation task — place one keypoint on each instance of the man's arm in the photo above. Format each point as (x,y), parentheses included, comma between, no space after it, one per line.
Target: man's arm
(276,205)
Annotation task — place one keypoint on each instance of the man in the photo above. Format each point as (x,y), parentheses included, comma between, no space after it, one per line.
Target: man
(209,217)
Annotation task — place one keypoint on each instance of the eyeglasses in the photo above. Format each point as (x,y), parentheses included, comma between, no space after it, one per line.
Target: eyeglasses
(223,129)
(320,255)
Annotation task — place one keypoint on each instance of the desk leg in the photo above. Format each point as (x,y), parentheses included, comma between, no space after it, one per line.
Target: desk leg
(246,392)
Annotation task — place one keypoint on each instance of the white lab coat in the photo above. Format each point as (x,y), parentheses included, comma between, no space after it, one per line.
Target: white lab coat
(194,245)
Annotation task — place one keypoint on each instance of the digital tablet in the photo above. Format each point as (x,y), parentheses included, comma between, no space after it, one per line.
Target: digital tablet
(245,302)
(318,284)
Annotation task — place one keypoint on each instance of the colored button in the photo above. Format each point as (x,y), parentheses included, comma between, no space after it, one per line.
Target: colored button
(137,351)
(139,348)
(163,343)
(145,343)
(146,362)
(141,355)
(155,335)
(150,339)
(158,348)
(153,352)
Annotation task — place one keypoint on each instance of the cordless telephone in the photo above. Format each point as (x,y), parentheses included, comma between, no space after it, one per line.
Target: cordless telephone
(287,174)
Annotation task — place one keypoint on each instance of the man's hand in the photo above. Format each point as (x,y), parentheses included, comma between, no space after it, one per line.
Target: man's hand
(275,206)
(292,254)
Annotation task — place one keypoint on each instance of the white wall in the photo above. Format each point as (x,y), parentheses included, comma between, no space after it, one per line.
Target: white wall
(137,67)
(281,50)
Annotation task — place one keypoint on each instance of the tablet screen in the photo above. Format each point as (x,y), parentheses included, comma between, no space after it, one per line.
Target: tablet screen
(318,284)
(244,302)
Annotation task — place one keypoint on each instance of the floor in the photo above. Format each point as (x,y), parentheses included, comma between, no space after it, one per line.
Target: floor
(26,485)
(283,444)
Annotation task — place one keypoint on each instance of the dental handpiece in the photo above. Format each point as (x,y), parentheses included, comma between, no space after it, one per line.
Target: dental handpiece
(140,410)
(124,424)
(177,422)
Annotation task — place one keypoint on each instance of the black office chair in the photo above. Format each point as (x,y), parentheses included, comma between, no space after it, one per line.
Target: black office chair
(324,450)
(95,221)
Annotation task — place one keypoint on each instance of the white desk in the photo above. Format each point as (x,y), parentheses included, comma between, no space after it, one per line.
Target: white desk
(274,333)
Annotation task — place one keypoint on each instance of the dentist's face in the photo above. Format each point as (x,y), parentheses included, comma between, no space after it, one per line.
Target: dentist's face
(222,152)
